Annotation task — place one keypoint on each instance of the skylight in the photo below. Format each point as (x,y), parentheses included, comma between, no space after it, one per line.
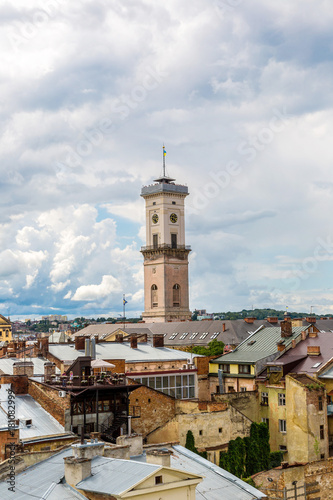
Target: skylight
(316,365)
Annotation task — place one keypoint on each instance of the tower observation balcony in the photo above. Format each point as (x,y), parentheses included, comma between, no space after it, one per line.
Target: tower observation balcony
(164,187)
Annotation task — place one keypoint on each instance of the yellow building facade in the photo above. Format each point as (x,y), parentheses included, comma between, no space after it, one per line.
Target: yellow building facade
(5,329)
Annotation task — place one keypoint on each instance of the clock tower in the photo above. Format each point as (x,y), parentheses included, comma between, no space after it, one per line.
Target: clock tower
(165,254)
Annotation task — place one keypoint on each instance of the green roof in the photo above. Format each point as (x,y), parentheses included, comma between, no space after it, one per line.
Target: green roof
(259,345)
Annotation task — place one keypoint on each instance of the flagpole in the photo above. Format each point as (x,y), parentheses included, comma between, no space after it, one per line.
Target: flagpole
(163,162)
(124,302)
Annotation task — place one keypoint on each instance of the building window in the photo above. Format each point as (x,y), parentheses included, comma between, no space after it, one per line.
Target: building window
(283,447)
(176,295)
(321,432)
(322,456)
(154,202)
(173,240)
(174,203)
(244,369)
(178,386)
(281,399)
(200,432)
(282,426)
(220,430)
(155,240)
(154,296)
(225,368)
(243,389)
(264,398)
(265,421)
(158,479)
(320,403)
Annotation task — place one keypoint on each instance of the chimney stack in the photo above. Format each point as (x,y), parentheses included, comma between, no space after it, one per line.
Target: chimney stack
(96,339)
(311,319)
(134,342)
(49,369)
(313,350)
(76,469)
(87,347)
(79,342)
(250,320)
(223,327)
(159,457)
(158,340)
(303,335)
(272,319)
(286,328)
(119,338)
(280,346)
(44,346)
(293,343)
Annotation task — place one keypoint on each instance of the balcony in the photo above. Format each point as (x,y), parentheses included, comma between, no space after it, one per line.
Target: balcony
(166,246)
(76,382)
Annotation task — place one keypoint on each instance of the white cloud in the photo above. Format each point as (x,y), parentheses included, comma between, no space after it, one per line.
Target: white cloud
(108,286)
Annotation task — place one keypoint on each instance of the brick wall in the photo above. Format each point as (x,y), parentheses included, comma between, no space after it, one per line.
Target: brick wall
(156,409)
(19,383)
(49,399)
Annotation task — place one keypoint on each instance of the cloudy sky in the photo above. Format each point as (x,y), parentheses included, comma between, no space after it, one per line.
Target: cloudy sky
(241,95)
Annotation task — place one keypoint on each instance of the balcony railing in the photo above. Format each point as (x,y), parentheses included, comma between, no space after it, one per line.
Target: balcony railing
(63,382)
(166,246)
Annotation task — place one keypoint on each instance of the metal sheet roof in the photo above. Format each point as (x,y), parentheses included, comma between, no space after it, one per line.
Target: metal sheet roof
(38,479)
(6,365)
(260,345)
(43,424)
(114,476)
(114,350)
(217,482)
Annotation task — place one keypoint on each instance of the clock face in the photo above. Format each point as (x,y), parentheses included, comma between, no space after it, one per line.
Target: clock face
(173,218)
(155,218)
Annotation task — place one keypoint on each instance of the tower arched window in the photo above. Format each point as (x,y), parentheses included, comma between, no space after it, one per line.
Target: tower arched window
(154,296)
(176,295)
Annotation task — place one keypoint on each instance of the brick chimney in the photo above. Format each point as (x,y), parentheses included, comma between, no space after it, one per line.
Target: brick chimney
(158,340)
(313,350)
(134,342)
(159,457)
(223,327)
(286,328)
(250,320)
(49,369)
(311,319)
(23,368)
(119,337)
(303,335)
(280,346)
(44,346)
(79,342)
(272,319)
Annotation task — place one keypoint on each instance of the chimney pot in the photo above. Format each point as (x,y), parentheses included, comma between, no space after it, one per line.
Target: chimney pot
(223,327)
(79,342)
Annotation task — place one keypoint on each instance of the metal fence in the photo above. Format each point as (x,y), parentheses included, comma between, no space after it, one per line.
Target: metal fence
(295,492)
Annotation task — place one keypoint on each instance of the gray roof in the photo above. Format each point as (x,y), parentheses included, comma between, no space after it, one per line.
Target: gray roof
(163,187)
(6,365)
(216,480)
(116,476)
(40,478)
(43,424)
(202,332)
(260,345)
(115,350)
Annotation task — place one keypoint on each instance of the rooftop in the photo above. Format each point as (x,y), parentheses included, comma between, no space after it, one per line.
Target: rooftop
(115,350)
(259,345)
(26,408)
